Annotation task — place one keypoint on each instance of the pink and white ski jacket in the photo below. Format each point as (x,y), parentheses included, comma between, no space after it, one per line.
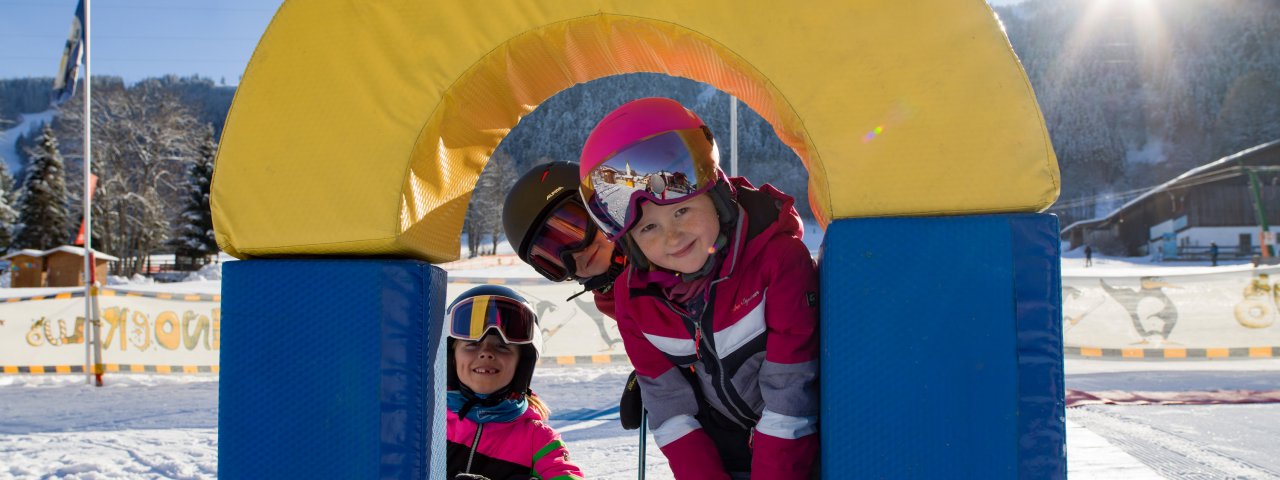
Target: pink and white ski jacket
(754,349)
(524,446)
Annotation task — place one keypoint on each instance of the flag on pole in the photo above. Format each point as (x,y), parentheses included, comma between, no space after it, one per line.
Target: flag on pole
(64,84)
(93,185)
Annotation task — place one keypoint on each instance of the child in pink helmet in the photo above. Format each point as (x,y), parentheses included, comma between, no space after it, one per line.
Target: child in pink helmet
(718,306)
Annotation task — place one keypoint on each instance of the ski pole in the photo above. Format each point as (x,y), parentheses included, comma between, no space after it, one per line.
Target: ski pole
(644,425)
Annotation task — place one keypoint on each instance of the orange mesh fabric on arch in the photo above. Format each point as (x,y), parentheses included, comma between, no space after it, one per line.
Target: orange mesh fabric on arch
(360,127)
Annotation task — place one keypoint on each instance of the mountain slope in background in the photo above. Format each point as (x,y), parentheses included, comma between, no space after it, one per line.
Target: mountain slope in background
(1133,92)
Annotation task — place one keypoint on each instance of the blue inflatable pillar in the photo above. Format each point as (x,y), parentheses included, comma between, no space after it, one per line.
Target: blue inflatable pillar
(332,369)
(942,348)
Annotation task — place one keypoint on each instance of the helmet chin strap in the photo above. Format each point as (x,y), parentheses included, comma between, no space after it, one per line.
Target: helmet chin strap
(603,282)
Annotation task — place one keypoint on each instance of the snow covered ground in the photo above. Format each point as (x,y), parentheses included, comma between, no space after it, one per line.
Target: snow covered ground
(166,426)
(1073,265)
(148,426)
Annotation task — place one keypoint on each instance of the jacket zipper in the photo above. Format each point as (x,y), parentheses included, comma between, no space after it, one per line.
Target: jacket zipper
(728,399)
(697,341)
(475,445)
(739,241)
(723,392)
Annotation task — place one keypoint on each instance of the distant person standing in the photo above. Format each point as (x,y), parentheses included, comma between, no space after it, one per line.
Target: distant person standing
(1088,256)
(1213,253)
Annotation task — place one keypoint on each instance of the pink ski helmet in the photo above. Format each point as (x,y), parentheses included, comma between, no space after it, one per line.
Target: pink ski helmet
(651,149)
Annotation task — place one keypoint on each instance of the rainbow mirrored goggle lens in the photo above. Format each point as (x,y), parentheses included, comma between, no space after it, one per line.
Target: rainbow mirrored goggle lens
(663,169)
(471,318)
(567,229)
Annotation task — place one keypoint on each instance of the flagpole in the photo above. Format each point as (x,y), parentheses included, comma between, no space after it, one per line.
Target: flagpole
(89,300)
(733,136)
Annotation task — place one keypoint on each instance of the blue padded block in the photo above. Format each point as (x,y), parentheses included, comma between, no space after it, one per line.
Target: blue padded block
(942,348)
(332,369)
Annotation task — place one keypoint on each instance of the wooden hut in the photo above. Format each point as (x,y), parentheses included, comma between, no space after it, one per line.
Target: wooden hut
(64,266)
(26,268)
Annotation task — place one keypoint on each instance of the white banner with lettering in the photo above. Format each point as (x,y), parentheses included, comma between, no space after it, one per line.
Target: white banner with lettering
(141,332)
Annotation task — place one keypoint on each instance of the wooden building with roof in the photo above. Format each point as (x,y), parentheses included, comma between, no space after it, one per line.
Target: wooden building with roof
(1225,202)
(26,268)
(57,267)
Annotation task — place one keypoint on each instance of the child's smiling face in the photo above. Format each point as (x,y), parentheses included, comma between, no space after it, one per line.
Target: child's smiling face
(485,366)
(679,236)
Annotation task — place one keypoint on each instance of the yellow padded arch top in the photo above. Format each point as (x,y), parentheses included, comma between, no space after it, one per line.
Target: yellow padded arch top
(360,127)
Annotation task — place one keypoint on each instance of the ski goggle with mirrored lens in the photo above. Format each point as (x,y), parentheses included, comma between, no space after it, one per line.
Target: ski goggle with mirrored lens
(664,169)
(566,230)
(472,318)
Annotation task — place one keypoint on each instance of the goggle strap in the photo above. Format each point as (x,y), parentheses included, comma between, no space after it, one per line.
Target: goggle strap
(498,332)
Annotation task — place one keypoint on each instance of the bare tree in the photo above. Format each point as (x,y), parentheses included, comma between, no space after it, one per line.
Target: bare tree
(143,139)
(502,170)
(472,226)
(484,213)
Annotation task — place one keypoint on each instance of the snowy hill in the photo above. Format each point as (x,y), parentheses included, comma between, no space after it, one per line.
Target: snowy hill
(8,138)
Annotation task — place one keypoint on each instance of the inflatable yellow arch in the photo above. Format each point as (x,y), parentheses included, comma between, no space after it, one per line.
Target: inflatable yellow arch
(360,127)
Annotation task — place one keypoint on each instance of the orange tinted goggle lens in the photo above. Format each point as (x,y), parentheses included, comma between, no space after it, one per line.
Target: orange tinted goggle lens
(566,230)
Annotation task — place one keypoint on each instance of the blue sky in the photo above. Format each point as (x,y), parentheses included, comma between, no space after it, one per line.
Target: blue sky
(137,39)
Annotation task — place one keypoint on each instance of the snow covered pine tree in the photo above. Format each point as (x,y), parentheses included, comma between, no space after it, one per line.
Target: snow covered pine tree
(44,219)
(193,241)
